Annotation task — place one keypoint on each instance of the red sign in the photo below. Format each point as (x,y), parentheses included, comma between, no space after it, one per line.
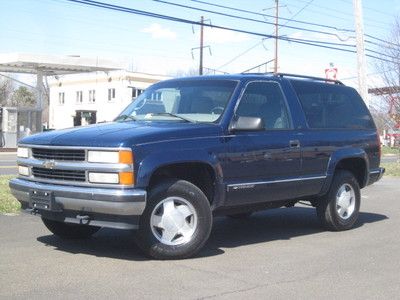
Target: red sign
(331,73)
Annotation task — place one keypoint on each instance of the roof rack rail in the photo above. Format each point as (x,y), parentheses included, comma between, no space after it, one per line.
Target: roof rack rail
(309,77)
(299,76)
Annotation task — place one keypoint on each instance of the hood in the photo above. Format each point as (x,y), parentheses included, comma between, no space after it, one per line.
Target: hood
(122,134)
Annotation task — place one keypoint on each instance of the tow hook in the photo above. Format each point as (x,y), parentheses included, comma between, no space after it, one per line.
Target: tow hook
(84,220)
(32,211)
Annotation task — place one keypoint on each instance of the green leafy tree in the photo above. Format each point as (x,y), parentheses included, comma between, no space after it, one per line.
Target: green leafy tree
(23,97)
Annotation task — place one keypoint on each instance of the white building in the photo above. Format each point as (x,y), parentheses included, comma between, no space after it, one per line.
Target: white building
(87,98)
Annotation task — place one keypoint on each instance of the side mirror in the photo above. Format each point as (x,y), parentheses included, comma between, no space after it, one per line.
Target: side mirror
(247,124)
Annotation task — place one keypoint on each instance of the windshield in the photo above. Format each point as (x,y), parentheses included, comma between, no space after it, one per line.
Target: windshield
(181,100)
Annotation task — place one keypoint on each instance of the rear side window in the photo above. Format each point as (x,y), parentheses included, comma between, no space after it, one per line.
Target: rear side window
(332,106)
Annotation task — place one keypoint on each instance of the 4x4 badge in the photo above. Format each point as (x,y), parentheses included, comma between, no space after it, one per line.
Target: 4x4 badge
(49,164)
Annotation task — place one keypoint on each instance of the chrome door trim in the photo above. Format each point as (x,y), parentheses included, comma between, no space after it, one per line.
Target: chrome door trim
(248,185)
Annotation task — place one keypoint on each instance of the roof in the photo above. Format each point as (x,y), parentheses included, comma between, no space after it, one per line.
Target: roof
(252,76)
(53,64)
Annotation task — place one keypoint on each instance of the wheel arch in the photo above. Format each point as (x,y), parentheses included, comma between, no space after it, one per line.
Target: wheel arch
(202,170)
(353,160)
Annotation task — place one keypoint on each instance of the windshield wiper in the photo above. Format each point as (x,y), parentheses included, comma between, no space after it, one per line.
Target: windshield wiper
(173,115)
(125,117)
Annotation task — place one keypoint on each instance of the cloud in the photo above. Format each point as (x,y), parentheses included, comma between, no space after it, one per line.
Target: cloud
(221,36)
(159,32)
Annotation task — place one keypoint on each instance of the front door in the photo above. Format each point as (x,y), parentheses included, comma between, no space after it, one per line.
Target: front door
(263,166)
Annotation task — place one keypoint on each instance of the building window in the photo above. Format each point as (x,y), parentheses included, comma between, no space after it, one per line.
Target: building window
(156,96)
(61,98)
(79,97)
(111,94)
(136,92)
(92,96)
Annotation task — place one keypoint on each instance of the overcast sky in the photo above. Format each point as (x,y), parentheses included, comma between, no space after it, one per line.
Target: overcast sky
(157,46)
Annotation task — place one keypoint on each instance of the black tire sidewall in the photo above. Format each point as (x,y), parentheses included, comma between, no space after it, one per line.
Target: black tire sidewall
(179,188)
(327,210)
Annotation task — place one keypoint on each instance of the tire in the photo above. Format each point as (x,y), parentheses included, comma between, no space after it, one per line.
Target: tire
(70,231)
(240,216)
(177,221)
(339,209)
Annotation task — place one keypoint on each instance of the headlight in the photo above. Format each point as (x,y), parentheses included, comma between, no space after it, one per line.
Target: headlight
(23,152)
(113,157)
(24,171)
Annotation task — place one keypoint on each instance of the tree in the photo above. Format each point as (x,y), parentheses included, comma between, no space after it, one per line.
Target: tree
(389,68)
(23,97)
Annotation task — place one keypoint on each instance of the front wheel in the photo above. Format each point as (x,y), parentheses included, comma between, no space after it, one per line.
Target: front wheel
(69,231)
(176,222)
(339,209)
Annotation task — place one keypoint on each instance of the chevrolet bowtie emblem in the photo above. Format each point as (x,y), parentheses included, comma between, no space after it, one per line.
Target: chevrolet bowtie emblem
(49,164)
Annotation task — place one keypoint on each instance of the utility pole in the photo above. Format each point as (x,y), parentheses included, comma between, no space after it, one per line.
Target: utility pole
(361,61)
(276,36)
(39,103)
(201,46)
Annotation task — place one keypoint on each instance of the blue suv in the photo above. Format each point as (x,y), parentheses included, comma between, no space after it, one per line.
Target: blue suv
(189,149)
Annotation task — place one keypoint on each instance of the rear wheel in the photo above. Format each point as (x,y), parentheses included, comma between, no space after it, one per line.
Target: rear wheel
(339,209)
(176,222)
(69,231)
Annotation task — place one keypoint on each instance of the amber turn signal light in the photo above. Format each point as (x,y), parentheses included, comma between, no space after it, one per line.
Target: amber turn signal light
(125,157)
(126,178)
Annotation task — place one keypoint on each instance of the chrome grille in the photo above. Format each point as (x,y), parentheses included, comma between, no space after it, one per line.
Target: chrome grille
(68,175)
(59,154)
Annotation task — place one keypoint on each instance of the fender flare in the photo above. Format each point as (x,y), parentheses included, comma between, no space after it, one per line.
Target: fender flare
(154,161)
(337,157)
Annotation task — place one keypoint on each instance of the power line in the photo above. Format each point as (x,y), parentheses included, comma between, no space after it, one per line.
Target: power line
(368,8)
(342,12)
(299,11)
(381,40)
(260,65)
(288,19)
(175,19)
(241,54)
(271,16)
(262,40)
(245,18)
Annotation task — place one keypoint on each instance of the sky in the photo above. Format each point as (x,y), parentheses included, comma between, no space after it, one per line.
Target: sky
(146,44)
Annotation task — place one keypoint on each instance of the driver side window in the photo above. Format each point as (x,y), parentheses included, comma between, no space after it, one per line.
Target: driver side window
(264,100)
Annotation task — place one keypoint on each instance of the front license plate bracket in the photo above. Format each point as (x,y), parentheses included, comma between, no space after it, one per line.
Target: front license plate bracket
(43,200)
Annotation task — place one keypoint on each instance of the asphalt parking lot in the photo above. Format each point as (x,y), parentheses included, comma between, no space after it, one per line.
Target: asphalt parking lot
(274,254)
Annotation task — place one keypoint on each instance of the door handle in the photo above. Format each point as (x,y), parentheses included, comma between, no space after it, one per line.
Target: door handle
(294,144)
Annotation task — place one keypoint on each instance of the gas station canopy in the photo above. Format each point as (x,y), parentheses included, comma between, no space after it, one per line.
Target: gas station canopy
(50,65)
(41,66)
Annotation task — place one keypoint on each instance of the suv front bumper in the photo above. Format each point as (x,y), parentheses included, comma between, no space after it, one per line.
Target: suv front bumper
(114,208)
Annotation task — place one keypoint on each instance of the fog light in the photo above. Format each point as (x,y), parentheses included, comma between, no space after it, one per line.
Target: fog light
(24,171)
(103,177)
